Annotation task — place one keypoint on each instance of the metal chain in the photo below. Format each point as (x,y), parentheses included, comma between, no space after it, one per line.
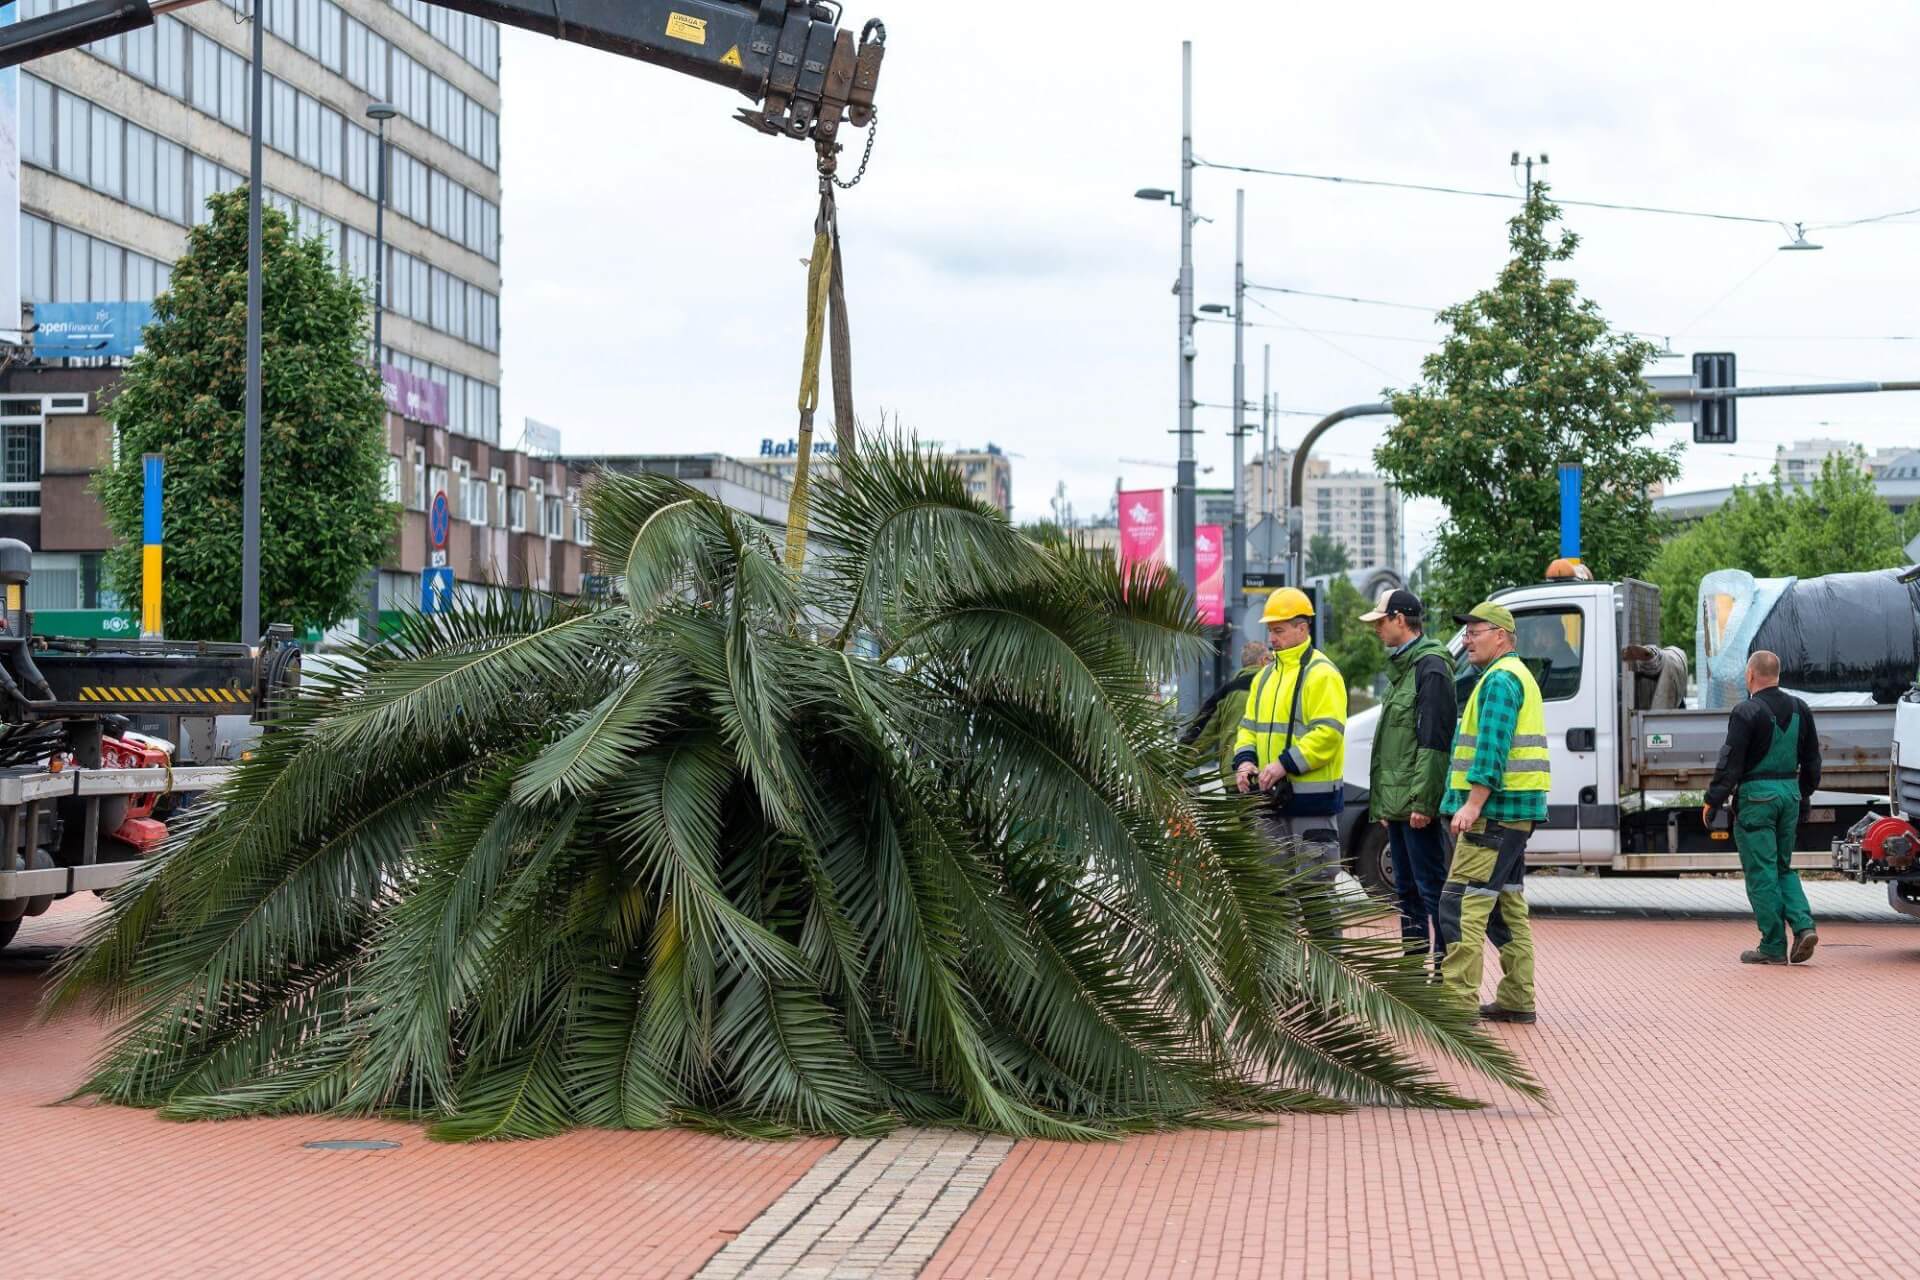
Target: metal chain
(873,131)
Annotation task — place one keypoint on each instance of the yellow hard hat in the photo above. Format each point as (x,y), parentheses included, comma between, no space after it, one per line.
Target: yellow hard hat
(1285,604)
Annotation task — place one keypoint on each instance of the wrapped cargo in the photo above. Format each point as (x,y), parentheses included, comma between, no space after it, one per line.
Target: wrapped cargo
(1845,632)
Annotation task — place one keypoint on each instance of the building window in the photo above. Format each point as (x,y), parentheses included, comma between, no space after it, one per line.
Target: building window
(20,465)
(556,524)
(393,479)
(517,510)
(419,479)
(499,481)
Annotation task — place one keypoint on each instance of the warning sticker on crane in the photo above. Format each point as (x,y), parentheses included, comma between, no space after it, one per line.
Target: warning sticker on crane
(682,27)
(731,58)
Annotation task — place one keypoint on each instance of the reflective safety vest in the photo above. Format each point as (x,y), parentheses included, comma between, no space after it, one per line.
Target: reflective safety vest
(1529,765)
(1318,756)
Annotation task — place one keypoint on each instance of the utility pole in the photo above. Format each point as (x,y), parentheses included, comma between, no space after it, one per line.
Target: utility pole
(1183,493)
(1518,161)
(250,497)
(1237,563)
(1266,435)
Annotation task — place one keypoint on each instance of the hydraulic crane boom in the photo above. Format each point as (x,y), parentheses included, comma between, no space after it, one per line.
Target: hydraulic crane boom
(804,75)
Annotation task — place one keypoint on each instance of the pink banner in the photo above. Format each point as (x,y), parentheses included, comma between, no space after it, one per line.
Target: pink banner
(415,397)
(1143,527)
(1210,573)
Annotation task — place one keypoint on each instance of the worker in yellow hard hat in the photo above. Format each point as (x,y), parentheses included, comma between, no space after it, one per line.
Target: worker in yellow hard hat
(1292,745)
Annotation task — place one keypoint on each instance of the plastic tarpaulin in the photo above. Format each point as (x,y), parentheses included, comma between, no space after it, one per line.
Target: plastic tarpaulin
(1845,632)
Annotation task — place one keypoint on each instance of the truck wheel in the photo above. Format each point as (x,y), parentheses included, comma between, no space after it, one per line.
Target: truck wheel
(1372,865)
(7,929)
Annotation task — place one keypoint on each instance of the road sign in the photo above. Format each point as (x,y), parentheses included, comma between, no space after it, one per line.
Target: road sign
(1261,584)
(437,559)
(439,520)
(436,590)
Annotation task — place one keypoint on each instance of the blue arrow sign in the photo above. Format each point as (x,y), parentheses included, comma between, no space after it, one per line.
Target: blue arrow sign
(440,520)
(436,590)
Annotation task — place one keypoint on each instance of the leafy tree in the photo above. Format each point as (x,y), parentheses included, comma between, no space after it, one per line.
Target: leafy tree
(323,448)
(1326,554)
(1838,524)
(1351,643)
(674,860)
(1529,376)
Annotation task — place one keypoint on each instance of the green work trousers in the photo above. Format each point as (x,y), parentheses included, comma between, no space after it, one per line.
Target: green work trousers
(1765,822)
(1488,871)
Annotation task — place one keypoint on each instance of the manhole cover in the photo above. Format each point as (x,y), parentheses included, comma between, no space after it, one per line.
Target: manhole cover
(351,1144)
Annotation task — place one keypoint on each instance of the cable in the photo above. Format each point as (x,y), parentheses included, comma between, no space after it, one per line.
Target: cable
(1328,342)
(1494,195)
(1337,333)
(1738,285)
(1341,297)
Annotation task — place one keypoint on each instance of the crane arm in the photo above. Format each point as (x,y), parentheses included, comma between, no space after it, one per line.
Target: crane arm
(788,57)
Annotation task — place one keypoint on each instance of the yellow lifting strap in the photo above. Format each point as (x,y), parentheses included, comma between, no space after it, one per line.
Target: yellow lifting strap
(819,277)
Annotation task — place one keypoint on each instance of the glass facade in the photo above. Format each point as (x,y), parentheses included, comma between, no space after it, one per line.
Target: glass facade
(130,160)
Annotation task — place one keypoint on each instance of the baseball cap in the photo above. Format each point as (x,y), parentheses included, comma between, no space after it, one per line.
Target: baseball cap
(1499,615)
(1394,600)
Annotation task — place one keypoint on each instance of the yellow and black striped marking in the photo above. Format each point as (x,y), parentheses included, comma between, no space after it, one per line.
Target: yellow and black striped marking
(129,693)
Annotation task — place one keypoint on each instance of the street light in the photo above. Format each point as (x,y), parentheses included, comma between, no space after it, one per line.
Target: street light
(383,112)
(1216,308)
(1800,241)
(1153,193)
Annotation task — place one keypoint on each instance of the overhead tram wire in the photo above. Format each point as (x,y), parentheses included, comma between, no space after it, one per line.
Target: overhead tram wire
(1614,205)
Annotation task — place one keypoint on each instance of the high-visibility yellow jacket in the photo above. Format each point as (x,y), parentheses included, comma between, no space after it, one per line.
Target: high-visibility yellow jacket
(1318,755)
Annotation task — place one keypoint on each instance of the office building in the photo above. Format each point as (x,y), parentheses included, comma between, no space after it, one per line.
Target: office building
(122,142)
(1359,509)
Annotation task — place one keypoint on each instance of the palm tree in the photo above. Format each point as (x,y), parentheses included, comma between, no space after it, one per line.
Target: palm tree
(905,840)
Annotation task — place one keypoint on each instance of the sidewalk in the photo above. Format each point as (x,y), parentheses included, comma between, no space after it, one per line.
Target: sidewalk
(1709,1119)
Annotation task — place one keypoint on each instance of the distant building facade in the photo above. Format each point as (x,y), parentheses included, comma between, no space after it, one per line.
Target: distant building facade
(1360,510)
(988,471)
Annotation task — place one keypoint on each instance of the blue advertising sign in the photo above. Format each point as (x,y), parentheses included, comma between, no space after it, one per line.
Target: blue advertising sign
(436,590)
(439,521)
(63,329)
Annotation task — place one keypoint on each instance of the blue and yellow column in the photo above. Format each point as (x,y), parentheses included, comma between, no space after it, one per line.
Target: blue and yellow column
(154,472)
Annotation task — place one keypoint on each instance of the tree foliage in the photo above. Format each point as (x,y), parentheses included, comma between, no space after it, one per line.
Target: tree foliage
(1326,554)
(1528,377)
(690,858)
(1351,643)
(323,449)
(1837,524)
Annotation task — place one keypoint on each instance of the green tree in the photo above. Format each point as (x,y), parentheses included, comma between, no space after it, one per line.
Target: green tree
(323,448)
(1528,377)
(1326,554)
(674,860)
(1838,524)
(1351,643)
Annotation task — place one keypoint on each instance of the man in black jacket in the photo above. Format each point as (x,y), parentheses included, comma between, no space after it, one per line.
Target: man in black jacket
(1769,768)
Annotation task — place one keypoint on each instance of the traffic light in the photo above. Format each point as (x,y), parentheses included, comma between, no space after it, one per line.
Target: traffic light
(1714,421)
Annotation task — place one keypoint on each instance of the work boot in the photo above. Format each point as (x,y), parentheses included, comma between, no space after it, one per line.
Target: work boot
(1803,945)
(1757,956)
(1494,1013)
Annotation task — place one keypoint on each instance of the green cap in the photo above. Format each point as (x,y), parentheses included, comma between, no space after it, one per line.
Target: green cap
(1499,615)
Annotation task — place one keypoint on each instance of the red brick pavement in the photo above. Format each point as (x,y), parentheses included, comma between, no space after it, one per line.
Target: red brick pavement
(1711,1119)
(107,1191)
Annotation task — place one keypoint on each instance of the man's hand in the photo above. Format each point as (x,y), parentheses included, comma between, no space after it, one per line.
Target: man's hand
(1706,815)
(1464,818)
(1272,774)
(1419,821)
(1243,777)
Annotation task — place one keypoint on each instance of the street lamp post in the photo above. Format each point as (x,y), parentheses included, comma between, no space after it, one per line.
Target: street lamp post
(1237,565)
(383,112)
(250,485)
(1183,493)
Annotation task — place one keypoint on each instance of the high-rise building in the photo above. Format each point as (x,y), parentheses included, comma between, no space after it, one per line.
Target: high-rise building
(122,142)
(1359,509)
(1800,462)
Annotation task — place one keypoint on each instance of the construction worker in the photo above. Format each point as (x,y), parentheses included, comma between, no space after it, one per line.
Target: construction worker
(1292,744)
(1407,775)
(1216,728)
(1496,793)
(1769,768)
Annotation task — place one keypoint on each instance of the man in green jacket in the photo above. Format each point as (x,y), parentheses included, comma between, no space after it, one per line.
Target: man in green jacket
(1214,729)
(1407,775)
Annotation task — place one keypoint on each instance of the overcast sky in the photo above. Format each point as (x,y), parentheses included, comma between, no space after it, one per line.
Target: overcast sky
(1005,286)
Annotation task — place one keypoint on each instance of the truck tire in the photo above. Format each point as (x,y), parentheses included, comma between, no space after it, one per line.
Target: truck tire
(1372,865)
(7,929)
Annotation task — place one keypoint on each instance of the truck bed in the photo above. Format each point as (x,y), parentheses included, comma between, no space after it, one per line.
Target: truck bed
(1677,750)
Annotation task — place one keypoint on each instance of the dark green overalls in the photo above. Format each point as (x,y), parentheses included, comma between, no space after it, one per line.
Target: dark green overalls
(1766,818)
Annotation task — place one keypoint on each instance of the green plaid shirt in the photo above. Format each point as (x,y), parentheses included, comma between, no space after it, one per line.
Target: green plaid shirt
(1500,697)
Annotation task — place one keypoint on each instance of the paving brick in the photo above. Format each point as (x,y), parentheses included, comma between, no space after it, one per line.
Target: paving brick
(1708,1118)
